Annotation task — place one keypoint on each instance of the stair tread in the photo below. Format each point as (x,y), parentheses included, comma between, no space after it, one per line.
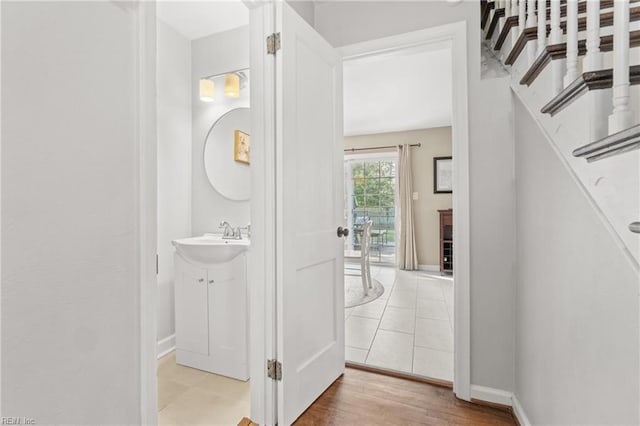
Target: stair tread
(559,51)
(497,14)
(618,143)
(509,23)
(485,14)
(531,33)
(591,80)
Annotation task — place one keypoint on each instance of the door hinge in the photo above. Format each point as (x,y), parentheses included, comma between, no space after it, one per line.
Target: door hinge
(274,369)
(273,43)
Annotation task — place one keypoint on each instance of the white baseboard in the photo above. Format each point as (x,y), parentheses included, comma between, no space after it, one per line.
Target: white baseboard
(429,268)
(518,411)
(496,396)
(502,397)
(166,345)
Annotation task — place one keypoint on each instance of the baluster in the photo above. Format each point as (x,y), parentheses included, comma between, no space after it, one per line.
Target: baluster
(532,21)
(522,7)
(514,12)
(542,25)
(593,58)
(531,13)
(598,104)
(572,42)
(556,31)
(557,66)
(621,117)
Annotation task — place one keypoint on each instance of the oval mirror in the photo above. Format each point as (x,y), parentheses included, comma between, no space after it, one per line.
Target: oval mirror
(227,155)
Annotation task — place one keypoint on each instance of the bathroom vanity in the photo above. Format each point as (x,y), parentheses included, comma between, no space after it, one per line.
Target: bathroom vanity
(211,301)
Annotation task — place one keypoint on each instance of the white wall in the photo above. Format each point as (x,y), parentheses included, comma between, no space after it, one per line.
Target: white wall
(577,305)
(215,54)
(491,169)
(174,166)
(70,320)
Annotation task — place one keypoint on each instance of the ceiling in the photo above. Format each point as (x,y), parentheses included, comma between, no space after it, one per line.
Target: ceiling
(196,19)
(393,93)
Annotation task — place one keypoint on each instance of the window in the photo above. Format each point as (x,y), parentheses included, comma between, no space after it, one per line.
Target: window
(371,191)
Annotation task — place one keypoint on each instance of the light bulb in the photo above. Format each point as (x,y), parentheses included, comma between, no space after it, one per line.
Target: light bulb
(232,85)
(207,90)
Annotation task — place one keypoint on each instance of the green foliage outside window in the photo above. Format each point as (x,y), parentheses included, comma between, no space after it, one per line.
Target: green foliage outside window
(374,193)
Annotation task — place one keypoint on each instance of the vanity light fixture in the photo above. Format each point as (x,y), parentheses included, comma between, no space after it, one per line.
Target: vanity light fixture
(207,90)
(232,85)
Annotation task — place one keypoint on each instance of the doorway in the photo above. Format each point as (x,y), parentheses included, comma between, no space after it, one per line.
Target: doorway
(407,329)
(428,280)
(203,180)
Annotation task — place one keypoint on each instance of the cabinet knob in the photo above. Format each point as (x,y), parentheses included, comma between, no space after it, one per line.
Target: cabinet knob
(210,281)
(201,280)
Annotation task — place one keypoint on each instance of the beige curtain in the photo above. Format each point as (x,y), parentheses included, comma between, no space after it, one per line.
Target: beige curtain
(407,254)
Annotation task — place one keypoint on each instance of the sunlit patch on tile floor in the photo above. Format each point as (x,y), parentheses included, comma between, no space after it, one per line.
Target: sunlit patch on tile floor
(187,396)
(409,328)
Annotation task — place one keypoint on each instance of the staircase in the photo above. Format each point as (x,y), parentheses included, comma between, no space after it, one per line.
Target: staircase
(575,65)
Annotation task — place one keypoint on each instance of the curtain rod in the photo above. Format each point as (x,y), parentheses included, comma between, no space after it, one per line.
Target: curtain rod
(418,145)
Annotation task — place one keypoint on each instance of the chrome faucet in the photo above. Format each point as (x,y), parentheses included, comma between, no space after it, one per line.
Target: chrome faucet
(228,232)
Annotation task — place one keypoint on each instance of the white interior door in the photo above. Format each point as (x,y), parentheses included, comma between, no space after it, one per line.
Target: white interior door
(309,209)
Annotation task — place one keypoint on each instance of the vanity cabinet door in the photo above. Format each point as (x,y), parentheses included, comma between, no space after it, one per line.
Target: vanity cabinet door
(192,330)
(228,317)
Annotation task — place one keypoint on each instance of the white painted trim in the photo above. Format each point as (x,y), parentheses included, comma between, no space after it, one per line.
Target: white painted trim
(166,346)
(519,412)
(496,396)
(146,206)
(499,396)
(261,273)
(454,36)
(0,211)
(429,268)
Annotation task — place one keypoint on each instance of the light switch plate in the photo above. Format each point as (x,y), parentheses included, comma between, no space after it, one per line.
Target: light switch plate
(415,196)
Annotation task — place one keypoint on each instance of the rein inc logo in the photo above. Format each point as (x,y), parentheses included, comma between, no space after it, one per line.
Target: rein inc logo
(17,421)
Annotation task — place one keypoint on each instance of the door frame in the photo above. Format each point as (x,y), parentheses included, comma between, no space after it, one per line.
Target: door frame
(453,36)
(146,206)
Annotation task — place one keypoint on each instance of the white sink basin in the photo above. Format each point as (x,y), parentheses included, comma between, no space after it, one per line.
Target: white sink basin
(210,248)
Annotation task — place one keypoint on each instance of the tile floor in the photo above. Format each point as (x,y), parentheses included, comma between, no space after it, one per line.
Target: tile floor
(187,396)
(409,328)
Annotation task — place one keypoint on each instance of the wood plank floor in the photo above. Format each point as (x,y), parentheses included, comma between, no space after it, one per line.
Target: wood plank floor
(365,398)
